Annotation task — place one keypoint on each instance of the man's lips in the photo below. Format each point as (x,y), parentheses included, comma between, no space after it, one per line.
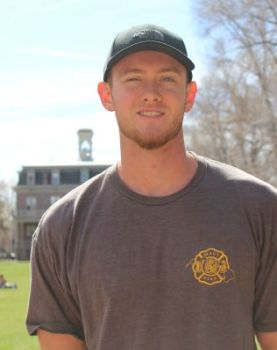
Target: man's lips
(151,114)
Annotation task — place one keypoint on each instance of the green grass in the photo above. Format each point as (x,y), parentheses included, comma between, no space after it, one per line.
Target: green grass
(13,306)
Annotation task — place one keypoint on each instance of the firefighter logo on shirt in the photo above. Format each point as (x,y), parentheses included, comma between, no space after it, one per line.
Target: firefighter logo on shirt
(211,266)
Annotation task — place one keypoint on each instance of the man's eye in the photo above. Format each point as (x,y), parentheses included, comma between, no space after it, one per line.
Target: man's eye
(132,79)
(168,79)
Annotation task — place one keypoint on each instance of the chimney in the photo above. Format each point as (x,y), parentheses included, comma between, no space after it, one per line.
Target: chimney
(85,144)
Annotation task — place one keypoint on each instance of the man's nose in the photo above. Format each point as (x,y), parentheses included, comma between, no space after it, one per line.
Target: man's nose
(151,93)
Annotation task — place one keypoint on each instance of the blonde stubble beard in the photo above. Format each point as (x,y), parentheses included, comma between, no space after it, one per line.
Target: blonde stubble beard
(152,141)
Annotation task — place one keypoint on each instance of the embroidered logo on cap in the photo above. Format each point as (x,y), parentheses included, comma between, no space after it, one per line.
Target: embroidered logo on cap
(211,266)
(149,35)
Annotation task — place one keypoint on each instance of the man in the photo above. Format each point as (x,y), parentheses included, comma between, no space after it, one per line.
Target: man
(166,250)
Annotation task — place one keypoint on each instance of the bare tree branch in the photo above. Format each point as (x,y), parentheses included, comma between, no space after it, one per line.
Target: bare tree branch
(236,109)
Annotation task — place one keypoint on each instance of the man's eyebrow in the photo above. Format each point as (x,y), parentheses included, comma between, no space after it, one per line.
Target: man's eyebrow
(170,70)
(131,71)
(162,70)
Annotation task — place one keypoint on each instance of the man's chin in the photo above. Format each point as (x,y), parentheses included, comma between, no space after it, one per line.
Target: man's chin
(152,143)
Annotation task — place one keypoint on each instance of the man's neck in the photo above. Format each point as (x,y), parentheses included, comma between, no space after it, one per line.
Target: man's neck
(159,172)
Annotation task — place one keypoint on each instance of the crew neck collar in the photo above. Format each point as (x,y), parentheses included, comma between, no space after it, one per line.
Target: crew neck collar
(152,200)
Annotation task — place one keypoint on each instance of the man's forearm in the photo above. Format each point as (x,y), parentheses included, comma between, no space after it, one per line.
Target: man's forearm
(267,340)
(54,341)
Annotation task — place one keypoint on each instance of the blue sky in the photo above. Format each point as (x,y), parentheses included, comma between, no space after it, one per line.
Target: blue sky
(52,54)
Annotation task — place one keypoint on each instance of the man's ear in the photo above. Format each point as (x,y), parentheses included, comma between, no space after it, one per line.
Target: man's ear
(191,94)
(104,92)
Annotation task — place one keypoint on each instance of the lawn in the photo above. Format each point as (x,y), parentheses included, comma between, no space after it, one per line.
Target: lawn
(13,305)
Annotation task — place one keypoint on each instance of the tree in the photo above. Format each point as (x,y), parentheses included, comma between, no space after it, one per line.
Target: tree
(236,109)
(6,216)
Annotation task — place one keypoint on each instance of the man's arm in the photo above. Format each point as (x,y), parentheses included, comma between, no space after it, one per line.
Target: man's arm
(268,341)
(54,341)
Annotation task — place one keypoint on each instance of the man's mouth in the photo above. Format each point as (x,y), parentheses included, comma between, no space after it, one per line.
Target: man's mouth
(153,114)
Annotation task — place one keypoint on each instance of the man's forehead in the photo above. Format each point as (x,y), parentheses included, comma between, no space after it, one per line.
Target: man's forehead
(150,59)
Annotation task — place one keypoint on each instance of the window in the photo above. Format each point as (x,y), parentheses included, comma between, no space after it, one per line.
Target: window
(70,176)
(30,202)
(46,178)
(54,199)
(55,177)
(43,177)
(22,178)
(84,175)
(29,229)
(30,177)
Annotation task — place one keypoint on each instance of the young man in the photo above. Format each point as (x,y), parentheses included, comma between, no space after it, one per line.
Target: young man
(166,250)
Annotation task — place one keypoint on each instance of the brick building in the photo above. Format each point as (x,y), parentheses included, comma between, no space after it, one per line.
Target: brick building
(39,186)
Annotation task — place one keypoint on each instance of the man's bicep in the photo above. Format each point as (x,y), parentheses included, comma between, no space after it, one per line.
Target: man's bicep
(267,340)
(55,341)
(52,306)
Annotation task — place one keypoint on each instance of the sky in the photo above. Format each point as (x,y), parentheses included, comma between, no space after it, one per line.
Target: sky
(52,54)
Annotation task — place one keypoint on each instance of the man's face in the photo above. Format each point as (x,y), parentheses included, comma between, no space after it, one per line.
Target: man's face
(148,91)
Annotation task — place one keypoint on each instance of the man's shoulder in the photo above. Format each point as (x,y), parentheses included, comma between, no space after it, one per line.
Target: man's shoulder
(238,180)
(61,213)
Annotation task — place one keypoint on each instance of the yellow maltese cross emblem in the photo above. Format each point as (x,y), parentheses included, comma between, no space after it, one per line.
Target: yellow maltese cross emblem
(211,266)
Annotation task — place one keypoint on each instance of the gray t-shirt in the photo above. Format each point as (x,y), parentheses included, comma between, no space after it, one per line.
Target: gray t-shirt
(194,270)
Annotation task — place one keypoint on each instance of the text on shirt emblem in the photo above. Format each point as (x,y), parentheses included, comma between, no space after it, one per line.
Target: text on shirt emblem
(211,266)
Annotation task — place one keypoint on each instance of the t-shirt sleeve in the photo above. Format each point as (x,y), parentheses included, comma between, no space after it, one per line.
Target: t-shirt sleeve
(52,306)
(265,307)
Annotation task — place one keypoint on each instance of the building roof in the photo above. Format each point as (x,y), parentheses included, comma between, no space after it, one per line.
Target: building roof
(76,164)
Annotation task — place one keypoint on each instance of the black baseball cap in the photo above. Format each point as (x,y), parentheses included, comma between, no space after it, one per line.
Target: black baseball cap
(148,37)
